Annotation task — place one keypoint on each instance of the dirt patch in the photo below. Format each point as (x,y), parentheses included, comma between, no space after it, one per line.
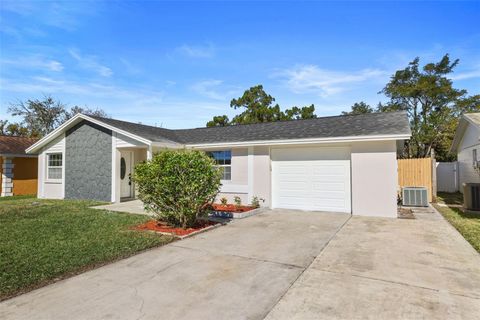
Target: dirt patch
(405,213)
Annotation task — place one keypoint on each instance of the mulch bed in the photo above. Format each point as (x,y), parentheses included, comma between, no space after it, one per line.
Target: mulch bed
(154,225)
(231,208)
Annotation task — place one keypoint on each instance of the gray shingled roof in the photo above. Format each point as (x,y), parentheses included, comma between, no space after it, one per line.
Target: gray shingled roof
(392,123)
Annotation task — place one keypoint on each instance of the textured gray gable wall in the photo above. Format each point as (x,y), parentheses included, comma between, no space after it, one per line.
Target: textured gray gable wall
(88,162)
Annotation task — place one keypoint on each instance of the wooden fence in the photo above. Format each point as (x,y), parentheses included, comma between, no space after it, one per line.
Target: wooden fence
(417,173)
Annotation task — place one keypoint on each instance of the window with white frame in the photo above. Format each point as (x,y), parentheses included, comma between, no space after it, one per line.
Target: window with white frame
(223,159)
(54,166)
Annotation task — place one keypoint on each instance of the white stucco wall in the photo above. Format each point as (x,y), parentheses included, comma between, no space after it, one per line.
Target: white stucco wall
(466,171)
(261,175)
(51,189)
(238,185)
(374,178)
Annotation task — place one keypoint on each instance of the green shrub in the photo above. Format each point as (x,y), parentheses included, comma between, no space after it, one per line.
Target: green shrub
(178,185)
(237,201)
(224,201)
(256,202)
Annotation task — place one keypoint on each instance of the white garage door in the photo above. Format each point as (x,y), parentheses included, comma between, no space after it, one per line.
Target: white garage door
(311,179)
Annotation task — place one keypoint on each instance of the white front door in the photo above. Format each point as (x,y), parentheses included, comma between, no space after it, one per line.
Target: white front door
(126,163)
(315,179)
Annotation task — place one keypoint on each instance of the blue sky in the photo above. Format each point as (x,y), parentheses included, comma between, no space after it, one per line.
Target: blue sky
(177,64)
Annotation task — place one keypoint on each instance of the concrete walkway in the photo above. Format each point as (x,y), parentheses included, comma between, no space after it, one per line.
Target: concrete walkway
(280,265)
(132,206)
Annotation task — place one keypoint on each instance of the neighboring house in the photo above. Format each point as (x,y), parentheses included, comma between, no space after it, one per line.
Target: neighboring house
(466,144)
(18,171)
(341,163)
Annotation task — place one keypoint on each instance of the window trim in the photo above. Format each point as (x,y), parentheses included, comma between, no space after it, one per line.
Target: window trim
(223,165)
(47,167)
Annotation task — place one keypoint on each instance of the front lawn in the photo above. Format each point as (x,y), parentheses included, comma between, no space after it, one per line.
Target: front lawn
(467,223)
(42,241)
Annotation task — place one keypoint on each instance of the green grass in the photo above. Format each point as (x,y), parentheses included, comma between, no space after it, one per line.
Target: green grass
(45,240)
(467,223)
(16,198)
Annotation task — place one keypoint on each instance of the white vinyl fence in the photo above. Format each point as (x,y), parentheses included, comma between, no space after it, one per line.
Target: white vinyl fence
(447,176)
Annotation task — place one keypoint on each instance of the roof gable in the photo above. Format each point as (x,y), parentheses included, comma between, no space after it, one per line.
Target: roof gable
(467,120)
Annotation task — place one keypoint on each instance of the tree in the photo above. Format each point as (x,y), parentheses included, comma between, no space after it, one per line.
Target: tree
(218,121)
(86,111)
(258,106)
(359,108)
(432,103)
(178,185)
(297,113)
(39,116)
(13,129)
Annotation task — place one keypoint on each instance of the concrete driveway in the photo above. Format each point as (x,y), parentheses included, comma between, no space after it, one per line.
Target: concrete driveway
(377,268)
(280,265)
(239,271)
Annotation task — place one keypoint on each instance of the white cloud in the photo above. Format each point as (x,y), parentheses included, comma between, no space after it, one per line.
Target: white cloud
(207,89)
(40,85)
(472,74)
(197,51)
(312,79)
(33,62)
(90,63)
(214,89)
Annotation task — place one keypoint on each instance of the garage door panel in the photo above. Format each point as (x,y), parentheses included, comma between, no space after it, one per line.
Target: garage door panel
(289,186)
(322,187)
(316,181)
(327,169)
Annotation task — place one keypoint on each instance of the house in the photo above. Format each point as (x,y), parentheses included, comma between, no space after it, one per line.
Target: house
(340,163)
(18,171)
(466,144)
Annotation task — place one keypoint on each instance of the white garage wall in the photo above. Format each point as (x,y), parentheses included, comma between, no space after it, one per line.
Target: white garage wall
(374,178)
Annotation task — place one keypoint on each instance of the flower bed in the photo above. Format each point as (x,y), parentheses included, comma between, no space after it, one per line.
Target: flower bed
(161,227)
(231,208)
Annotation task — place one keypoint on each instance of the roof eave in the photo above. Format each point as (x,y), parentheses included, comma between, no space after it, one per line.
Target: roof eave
(17,155)
(301,141)
(461,128)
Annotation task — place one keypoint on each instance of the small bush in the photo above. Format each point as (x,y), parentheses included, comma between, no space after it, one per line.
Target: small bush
(256,201)
(224,201)
(237,201)
(178,185)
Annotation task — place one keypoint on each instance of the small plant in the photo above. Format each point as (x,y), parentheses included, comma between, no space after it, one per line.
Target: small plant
(256,201)
(224,201)
(238,201)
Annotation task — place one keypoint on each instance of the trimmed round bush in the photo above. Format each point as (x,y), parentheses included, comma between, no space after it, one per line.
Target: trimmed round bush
(178,185)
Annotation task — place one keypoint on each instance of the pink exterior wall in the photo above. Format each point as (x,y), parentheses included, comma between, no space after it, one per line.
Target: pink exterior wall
(262,174)
(374,178)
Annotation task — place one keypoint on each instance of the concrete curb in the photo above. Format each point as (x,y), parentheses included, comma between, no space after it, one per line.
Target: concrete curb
(238,215)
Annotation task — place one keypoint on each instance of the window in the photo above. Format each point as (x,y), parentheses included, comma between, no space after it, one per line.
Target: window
(54,166)
(223,159)
(474,155)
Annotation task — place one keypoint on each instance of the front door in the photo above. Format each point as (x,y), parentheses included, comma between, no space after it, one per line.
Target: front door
(126,162)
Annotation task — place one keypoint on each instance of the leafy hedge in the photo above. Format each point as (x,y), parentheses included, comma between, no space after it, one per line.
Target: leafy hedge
(177,185)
